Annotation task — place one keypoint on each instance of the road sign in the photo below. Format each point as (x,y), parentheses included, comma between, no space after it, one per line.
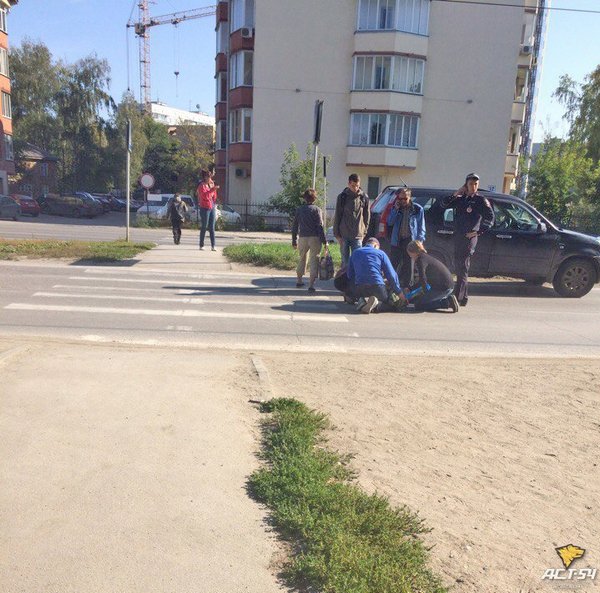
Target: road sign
(147,180)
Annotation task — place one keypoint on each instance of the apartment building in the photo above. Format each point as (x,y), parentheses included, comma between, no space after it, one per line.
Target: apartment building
(419,90)
(7,160)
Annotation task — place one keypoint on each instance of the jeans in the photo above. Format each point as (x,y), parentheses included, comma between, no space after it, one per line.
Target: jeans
(346,246)
(402,263)
(176,231)
(208,217)
(463,250)
(367,290)
(433,299)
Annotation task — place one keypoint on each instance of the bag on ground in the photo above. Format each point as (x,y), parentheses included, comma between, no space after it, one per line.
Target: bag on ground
(326,269)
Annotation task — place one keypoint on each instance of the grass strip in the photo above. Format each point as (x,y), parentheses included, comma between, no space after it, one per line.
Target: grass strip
(281,256)
(345,540)
(94,251)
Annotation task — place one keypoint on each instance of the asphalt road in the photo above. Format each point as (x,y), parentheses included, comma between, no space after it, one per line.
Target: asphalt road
(179,295)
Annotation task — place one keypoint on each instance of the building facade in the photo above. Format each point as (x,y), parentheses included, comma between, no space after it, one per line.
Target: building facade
(413,90)
(36,172)
(7,157)
(172,116)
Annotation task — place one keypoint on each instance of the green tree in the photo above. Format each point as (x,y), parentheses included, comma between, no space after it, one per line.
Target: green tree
(159,158)
(563,183)
(582,103)
(295,179)
(195,150)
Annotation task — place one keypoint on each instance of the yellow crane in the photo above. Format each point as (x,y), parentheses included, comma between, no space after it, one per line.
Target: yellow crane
(141,29)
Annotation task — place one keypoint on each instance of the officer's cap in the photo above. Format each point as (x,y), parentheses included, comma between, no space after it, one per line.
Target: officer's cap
(472,176)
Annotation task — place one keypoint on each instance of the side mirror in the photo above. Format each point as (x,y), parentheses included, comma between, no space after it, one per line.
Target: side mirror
(541,228)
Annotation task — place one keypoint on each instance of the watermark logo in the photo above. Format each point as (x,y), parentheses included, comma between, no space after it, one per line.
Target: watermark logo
(568,554)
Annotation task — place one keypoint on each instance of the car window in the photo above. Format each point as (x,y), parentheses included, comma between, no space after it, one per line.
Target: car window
(513,217)
(383,200)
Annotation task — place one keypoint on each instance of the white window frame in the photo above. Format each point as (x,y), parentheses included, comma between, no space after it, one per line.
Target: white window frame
(241,69)
(241,14)
(410,16)
(221,91)
(4,62)
(395,130)
(6,105)
(9,154)
(240,125)
(404,74)
(222,38)
(3,19)
(221,143)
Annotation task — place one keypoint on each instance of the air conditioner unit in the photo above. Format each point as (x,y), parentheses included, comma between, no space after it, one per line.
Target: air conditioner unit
(243,173)
(526,50)
(247,32)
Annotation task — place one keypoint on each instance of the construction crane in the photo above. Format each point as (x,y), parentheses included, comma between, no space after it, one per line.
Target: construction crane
(141,30)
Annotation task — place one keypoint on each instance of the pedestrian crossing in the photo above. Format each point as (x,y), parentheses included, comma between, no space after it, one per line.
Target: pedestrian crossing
(100,296)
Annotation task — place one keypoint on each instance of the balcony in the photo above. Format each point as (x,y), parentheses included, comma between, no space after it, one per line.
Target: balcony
(240,97)
(221,111)
(390,42)
(221,63)
(384,101)
(518,111)
(381,156)
(511,165)
(240,152)
(222,12)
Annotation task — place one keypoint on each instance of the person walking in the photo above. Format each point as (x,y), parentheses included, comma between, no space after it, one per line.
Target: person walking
(405,223)
(307,237)
(177,212)
(351,218)
(368,270)
(435,281)
(207,202)
(473,216)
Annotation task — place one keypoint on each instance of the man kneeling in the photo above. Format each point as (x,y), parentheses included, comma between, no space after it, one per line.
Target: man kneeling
(368,269)
(435,281)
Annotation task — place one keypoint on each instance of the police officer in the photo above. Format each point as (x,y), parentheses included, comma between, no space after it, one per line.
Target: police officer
(473,216)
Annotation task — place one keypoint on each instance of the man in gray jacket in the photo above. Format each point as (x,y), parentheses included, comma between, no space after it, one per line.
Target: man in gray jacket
(351,218)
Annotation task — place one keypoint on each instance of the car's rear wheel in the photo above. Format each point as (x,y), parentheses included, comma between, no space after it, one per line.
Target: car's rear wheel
(575,278)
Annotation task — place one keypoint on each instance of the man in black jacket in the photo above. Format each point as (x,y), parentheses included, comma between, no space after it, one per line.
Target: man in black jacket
(473,216)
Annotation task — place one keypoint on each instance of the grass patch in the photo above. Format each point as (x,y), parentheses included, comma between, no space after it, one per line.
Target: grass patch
(281,256)
(97,251)
(345,540)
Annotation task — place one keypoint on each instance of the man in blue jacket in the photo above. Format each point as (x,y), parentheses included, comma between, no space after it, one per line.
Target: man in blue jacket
(405,223)
(368,269)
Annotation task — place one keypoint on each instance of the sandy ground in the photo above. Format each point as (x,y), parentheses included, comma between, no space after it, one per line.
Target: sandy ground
(499,456)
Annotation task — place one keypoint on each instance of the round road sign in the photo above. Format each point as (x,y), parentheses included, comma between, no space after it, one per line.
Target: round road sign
(147,180)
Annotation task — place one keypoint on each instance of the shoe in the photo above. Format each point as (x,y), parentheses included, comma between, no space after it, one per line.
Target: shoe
(312,289)
(349,300)
(360,303)
(299,284)
(202,248)
(213,248)
(453,303)
(370,305)
(463,302)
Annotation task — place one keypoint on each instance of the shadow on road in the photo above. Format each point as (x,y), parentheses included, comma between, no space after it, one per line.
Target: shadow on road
(508,288)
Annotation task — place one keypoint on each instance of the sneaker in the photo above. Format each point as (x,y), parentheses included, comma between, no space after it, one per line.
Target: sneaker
(463,302)
(299,284)
(312,289)
(201,248)
(349,300)
(370,305)
(453,303)
(213,248)
(360,303)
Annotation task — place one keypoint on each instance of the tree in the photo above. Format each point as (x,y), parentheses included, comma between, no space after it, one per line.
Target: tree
(194,152)
(582,103)
(159,158)
(564,182)
(295,179)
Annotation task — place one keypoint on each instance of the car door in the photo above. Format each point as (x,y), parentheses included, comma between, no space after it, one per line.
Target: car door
(522,246)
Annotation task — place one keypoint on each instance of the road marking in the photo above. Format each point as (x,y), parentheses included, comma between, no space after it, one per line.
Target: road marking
(72,295)
(324,318)
(180,328)
(158,271)
(175,281)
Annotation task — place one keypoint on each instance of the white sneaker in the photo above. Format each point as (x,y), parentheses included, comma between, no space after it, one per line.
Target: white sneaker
(213,248)
(370,305)
(201,248)
(360,303)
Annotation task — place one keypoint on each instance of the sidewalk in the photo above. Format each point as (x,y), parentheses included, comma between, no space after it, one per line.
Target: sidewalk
(124,470)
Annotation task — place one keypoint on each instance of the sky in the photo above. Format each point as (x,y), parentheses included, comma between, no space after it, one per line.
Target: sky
(73,29)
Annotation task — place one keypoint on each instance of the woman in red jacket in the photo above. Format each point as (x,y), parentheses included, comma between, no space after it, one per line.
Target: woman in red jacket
(207,202)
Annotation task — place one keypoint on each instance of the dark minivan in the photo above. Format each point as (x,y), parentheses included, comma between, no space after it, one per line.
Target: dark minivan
(523,243)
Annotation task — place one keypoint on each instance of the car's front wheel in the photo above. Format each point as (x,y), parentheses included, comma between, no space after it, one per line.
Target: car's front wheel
(575,278)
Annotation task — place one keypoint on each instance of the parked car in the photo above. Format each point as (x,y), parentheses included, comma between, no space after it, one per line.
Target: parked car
(228,214)
(192,211)
(27,203)
(75,206)
(9,208)
(98,204)
(523,243)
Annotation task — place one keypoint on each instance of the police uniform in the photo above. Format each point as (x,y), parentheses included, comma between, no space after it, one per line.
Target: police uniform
(471,214)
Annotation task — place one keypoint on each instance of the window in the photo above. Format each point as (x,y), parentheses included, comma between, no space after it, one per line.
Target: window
(4,61)
(521,84)
(3,20)
(221,87)
(240,69)
(411,16)
(9,154)
(221,135)
(396,73)
(241,14)
(373,187)
(513,217)
(6,108)
(240,125)
(222,38)
(43,169)
(382,129)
